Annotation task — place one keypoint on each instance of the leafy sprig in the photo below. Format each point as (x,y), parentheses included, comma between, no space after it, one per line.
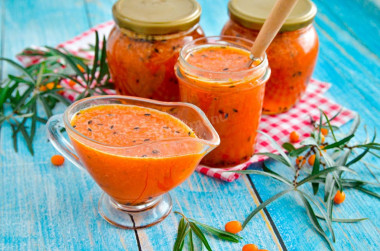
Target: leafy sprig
(40,83)
(190,228)
(332,161)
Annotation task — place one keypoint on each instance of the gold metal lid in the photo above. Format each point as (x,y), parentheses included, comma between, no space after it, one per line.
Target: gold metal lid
(156,17)
(253,13)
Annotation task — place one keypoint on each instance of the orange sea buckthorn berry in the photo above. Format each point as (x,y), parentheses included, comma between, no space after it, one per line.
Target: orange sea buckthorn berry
(294,137)
(339,197)
(250,247)
(57,160)
(311,159)
(321,146)
(322,138)
(233,227)
(71,83)
(80,67)
(324,131)
(299,159)
(50,85)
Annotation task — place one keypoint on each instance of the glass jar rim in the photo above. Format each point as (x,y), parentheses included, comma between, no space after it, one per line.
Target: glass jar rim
(215,141)
(182,57)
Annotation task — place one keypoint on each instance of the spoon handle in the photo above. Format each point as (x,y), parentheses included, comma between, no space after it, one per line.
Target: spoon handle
(271,26)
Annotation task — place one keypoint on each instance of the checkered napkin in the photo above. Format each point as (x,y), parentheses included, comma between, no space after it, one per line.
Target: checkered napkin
(277,126)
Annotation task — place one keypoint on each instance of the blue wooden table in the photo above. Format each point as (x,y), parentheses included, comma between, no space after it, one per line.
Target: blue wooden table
(48,208)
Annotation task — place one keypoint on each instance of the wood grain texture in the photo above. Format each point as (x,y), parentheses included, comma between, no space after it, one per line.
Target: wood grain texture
(48,208)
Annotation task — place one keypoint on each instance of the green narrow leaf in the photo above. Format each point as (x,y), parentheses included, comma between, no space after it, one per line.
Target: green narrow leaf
(320,126)
(14,137)
(268,174)
(340,142)
(336,115)
(4,93)
(356,183)
(343,220)
(200,235)
(343,158)
(288,147)
(374,154)
(19,67)
(314,221)
(24,133)
(96,57)
(275,157)
(355,125)
(181,234)
(41,120)
(330,127)
(103,64)
(219,233)
(191,243)
(323,172)
(330,204)
(357,158)
(267,170)
(364,190)
(374,145)
(21,100)
(298,151)
(46,107)
(330,182)
(34,121)
(325,217)
(329,161)
(264,204)
(59,98)
(70,61)
(39,74)
(315,170)
(277,147)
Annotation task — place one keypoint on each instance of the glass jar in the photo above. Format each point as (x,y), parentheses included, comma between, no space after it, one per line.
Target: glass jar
(144,45)
(292,54)
(215,74)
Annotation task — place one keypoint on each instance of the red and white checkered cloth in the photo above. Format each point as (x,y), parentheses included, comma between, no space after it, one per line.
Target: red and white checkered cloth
(277,126)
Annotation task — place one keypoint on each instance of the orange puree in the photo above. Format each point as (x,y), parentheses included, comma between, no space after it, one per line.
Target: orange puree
(134,153)
(231,93)
(220,59)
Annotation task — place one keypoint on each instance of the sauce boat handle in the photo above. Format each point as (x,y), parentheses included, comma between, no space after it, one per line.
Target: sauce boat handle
(54,128)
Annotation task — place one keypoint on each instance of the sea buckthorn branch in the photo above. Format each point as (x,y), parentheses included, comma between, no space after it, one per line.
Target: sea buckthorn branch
(187,228)
(30,98)
(329,164)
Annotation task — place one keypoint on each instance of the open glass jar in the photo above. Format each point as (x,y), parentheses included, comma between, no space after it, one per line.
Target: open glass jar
(292,54)
(144,45)
(215,74)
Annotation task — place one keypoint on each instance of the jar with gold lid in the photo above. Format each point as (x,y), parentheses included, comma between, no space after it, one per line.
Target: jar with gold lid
(143,47)
(292,54)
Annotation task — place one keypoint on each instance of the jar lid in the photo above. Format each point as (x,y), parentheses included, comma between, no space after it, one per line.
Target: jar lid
(253,13)
(156,17)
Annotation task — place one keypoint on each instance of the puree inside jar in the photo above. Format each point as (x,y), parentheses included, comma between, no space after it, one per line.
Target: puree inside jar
(135,153)
(231,94)
(220,59)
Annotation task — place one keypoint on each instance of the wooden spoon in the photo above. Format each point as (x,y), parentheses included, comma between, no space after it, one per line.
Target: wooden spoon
(272,25)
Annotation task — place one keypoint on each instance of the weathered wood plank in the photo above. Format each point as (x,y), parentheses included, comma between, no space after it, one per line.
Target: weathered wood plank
(47,208)
(347,59)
